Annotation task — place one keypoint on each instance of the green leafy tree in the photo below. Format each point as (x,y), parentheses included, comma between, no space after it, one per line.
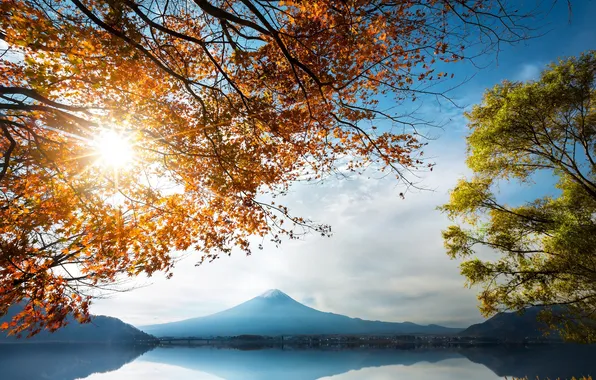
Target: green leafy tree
(546,246)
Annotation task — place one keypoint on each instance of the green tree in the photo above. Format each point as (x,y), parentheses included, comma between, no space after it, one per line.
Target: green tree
(546,246)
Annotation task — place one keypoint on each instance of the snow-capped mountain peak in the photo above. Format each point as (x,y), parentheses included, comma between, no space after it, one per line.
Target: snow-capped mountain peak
(274,293)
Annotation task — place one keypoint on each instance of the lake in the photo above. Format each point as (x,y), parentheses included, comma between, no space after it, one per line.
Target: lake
(70,362)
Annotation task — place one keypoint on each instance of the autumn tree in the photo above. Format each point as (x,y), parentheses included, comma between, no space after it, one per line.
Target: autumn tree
(135,128)
(546,246)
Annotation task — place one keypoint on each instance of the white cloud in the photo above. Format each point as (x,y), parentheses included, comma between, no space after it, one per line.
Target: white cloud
(529,71)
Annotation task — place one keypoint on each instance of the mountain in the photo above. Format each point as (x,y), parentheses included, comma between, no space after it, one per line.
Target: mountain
(101,329)
(510,326)
(274,313)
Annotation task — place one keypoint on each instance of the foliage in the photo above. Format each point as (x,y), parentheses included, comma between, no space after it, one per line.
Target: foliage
(546,246)
(222,101)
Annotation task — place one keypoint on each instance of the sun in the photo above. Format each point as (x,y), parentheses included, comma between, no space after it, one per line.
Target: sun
(114,149)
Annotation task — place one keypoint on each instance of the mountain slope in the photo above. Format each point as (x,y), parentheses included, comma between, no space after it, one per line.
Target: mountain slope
(101,329)
(510,326)
(275,313)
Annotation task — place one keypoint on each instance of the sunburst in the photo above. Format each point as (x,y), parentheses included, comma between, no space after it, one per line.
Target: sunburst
(114,149)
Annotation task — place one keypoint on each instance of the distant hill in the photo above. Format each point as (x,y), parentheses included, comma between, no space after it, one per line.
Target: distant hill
(102,329)
(510,326)
(275,313)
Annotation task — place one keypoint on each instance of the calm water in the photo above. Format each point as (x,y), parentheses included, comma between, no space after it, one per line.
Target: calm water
(36,362)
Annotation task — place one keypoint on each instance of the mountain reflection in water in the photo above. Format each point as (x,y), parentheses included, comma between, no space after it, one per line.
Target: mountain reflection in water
(70,362)
(62,361)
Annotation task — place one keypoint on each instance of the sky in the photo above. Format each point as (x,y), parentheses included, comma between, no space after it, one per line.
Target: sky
(385,260)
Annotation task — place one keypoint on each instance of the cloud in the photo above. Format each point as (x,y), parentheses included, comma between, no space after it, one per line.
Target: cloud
(529,71)
(386,260)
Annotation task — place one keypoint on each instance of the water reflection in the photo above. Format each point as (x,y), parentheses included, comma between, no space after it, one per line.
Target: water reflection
(62,361)
(564,361)
(35,362)
(289,364)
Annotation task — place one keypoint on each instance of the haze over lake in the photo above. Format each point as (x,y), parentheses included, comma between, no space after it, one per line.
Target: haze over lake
(70,362)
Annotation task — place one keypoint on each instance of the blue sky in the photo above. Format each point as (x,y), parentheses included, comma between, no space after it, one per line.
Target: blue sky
(386,260)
